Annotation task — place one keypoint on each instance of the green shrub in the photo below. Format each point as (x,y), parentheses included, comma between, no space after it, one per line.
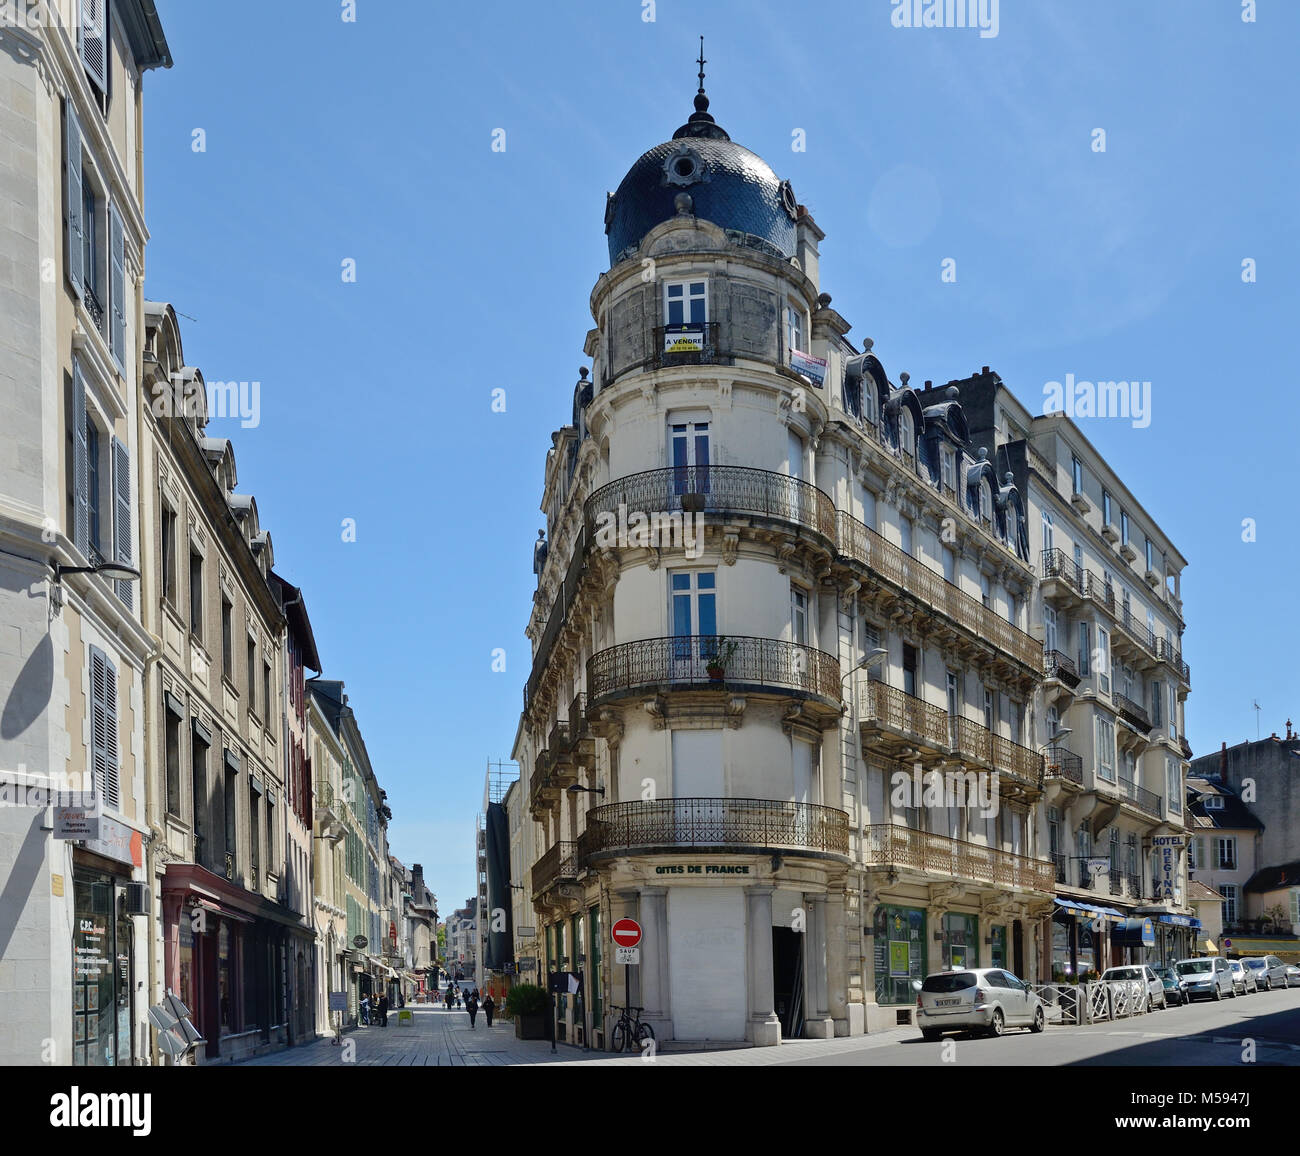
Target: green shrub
(525,999)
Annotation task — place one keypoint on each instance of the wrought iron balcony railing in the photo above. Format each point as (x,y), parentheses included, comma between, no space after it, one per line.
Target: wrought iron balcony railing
(1064,764)
(888,845)
(560,863)
(1133,885)
(860,543)
(1060,862)
(888,706)
(713,490)
(973,741)
(1133,712)
(1116,882)
(93,305)
(686,661)
(1172,657)
(1058,564)
(1141,798)
(1138,631)
(1060,666)
(687,345)
(230,866)
(714,824)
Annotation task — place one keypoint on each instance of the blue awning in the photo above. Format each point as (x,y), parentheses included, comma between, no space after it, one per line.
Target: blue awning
(1076,907)
(1180,921)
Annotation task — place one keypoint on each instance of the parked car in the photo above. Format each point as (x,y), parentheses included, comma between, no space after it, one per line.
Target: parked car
(1243,981)
(1292,975)
(1268,970)
(985,999)
(1140,973)
(1175,987)
(1208,977)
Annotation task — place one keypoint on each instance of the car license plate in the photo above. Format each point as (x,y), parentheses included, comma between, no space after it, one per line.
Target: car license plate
(946,1002)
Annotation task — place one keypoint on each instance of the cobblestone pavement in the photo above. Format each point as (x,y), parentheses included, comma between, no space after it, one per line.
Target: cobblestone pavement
(443,1038)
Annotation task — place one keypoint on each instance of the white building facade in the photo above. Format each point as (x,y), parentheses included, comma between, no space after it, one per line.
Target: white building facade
(786,702)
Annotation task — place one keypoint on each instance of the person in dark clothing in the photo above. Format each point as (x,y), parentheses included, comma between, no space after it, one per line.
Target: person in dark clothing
(489,1006)
(471,1006)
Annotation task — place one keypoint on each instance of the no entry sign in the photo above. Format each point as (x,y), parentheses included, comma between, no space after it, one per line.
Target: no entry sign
(626,933)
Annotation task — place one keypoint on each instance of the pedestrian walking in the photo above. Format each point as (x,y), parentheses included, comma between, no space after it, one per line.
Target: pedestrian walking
(489,1006)
(471,1006)
(383,1011)
(365,1010)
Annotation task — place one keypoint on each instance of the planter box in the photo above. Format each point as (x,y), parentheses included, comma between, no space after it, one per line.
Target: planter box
(530,1027)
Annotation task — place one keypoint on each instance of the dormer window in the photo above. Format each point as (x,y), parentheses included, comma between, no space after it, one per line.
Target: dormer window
(1213,802)
(686,303)
(1076,475)
(948,468)
(906,435)
(986,501)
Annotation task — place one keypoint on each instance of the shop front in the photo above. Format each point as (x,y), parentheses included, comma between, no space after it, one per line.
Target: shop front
(227,956)
(104,947)
(1079,939)
(900,953)
(103,980)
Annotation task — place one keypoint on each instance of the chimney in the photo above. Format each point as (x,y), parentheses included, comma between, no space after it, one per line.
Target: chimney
(1223,761)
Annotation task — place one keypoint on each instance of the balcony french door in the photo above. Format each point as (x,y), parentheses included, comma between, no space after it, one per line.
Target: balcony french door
(689,449)
(695,622)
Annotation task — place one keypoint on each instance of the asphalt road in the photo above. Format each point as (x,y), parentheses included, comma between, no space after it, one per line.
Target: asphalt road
(1201,1034)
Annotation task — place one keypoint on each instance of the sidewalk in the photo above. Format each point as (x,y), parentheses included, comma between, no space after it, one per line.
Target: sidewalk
(438,1037)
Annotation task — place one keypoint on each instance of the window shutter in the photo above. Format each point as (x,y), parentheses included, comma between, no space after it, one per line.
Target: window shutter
(72,195)
(94,41)
(117,287)
(103,727)
(122,516)
(80,464)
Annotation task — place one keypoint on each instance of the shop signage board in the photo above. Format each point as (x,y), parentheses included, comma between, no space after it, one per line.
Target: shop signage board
(627,955)
(338,1001)
(77,822)
(717,870)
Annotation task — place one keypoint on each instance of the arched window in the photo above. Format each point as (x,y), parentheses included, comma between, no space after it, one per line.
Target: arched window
(986,502)
(906,434)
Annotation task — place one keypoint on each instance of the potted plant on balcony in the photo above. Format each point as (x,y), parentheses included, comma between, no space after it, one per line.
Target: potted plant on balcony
(717,657)
(526,1004)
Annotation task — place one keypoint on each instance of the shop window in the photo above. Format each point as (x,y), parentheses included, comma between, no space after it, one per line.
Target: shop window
(960,940)
(900,953)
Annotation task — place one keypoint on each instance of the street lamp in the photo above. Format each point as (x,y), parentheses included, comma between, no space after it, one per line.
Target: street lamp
(117,570)
(874,658)
(1059,733)
(579,789)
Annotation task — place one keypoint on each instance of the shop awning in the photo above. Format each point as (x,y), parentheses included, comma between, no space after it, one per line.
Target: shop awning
(1179,921)
(1208,946)
(1090,910)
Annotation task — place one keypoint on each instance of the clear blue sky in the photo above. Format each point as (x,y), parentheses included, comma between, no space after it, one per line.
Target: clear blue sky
(372,141)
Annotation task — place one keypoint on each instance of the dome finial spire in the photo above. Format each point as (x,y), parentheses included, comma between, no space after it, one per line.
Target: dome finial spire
(702,63)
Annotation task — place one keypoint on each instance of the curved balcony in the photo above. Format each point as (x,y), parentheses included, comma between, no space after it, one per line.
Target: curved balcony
(735,826)
(1060,666)
(714,490)
(684,662)
(1062,763)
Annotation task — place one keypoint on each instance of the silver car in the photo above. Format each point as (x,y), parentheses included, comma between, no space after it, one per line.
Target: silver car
(1155,986)
(1243,980)
(1268,970)
(1207,977)
(985,999)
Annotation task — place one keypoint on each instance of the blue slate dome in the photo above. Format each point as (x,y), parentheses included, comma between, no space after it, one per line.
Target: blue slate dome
(726,183)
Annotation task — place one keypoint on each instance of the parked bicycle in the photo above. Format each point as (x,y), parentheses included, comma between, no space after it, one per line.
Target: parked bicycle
(629,1032)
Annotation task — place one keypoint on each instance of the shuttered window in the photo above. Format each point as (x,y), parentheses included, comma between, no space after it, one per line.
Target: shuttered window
(94,41)
(122,517)
(80,464)
(117,287)
(103,728)
(72,198)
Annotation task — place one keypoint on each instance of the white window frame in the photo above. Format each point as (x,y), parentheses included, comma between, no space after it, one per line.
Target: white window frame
(1228,842)
(798,614)
(687,299)
(1105,749)
(1103,663)
(1230,897)
(1076,475)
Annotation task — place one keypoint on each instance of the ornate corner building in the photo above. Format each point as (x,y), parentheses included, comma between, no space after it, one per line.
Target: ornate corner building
(788,692)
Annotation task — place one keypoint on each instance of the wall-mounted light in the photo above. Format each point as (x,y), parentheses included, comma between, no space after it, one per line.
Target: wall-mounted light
(119,571)
(579,789)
